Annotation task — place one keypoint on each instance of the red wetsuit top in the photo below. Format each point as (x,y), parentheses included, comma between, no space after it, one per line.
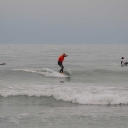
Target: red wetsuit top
(61,58)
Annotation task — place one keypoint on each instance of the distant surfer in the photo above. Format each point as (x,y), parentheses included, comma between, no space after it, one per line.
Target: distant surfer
(3,64)
(60,61)
(123,62)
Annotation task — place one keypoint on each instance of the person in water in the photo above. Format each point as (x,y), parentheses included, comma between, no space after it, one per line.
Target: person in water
(3,64)
(60,61)
(123,62)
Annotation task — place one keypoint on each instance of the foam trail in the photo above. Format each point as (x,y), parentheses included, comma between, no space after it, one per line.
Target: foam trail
(45,71)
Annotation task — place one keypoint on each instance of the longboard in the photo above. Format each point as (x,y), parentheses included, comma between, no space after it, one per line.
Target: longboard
(64,75)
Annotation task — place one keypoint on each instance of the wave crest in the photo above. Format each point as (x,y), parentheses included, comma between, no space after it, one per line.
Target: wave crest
(81,95)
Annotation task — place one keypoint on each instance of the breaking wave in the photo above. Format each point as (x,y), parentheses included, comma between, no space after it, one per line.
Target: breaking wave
(81,94)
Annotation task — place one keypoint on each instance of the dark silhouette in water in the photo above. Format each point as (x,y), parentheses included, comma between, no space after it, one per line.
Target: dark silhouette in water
(123,62)
(3,64)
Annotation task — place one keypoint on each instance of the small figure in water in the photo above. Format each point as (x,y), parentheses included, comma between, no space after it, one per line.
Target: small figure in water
(60,60)
(123,62)
(3,64)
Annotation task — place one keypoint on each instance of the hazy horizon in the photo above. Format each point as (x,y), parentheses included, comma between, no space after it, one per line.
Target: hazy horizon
(69,21)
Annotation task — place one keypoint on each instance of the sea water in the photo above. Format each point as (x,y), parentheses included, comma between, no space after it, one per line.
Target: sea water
(34,95)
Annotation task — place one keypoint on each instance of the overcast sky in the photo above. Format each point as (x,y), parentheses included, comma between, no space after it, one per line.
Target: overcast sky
(63,21)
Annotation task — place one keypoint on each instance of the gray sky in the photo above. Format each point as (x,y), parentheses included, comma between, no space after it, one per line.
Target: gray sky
(63,21)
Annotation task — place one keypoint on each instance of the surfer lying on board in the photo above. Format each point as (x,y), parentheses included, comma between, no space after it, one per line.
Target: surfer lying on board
(60,61)
(3,64)
(123,62)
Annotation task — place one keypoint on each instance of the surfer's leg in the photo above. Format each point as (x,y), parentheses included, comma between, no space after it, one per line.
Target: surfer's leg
(60,70)
(62,67)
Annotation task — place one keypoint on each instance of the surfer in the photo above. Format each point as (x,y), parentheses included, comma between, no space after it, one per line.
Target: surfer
(123,62)
(60,61)
(3,64)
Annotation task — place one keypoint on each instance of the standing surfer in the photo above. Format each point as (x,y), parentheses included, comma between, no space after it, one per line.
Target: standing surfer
(60,61)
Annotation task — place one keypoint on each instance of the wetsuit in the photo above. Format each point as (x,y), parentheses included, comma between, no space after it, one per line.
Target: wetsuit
(60,60)
(123,62)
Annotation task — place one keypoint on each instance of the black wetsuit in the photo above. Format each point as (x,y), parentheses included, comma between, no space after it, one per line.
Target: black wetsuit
(124,63)
(61,65)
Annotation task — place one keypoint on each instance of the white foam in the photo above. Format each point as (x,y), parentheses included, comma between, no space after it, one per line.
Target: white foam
(82,94)
(44,71)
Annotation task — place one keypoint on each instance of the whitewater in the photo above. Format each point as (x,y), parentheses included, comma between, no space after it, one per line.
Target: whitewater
(92,93)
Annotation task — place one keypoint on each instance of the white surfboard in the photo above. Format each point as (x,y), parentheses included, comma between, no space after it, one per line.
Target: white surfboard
(64,75)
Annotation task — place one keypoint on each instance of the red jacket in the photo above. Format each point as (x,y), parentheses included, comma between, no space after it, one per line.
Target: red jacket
(61,58)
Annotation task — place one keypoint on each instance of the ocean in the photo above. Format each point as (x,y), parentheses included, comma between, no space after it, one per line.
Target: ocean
(34,95)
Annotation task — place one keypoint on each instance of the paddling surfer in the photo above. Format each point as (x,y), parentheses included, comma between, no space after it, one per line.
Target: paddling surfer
(60,61)
(3,64)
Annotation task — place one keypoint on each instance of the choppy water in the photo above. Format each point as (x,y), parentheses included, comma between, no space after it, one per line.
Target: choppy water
(33,94)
